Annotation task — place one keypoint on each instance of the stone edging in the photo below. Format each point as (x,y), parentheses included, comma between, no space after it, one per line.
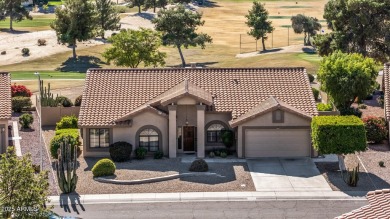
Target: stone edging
(152,180)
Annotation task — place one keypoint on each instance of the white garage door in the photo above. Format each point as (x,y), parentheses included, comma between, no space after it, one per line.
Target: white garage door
(277,143)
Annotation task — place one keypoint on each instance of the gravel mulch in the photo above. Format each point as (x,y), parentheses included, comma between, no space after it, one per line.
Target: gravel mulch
(30,144)
(373,108)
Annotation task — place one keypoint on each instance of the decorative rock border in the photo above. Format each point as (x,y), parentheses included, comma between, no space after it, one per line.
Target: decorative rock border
(152,180)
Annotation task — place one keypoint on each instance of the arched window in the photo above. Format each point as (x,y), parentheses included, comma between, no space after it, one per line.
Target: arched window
(148,138)
(214,133)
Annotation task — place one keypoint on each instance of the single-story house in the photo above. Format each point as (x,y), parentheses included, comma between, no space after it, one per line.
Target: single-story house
(386,90)
(183,110)
(5,109)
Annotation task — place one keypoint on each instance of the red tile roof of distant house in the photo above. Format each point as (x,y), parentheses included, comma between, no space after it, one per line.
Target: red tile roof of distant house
(378,207)
(5,95)
(111,94)
(386,88)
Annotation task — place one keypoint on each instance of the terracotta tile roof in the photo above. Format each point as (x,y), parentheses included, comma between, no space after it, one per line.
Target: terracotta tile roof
(110,94)
(5,96)
(386,87)
(378,207)
(267,106)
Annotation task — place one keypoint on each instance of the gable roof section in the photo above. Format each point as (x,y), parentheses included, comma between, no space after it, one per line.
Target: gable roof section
(139,110)
(378,206)
(111,94)
(266,106)
(386,87)
(5,95)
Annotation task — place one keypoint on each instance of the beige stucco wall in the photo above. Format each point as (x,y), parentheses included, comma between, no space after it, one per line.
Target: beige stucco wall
(224,117)
(266,120)
(3,136)
(182,111)
(52,115)
(128,134)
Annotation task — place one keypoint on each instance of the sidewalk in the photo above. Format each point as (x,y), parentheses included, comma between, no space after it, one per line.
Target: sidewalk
(204,196)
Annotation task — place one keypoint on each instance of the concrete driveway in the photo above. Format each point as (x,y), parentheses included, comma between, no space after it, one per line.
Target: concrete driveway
(286,175)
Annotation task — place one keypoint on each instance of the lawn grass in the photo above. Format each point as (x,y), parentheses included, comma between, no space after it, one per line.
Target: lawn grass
(55,3)
(38,21)
(29,75)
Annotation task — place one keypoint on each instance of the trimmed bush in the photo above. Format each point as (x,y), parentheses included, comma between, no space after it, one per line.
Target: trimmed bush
(376,129)
(352,111)
(381,163)
(20,103)
(324,107)
(26,120)
(316,93)
(158,155)
(67,122)
(41,42)
(223,154)
(20,91)
(64,101)
(140,153)
(227,137)
(104,167)
(120,151)
(71,135)
(311,77)
(78,100)
(26,51)
(199,165)
(211,154)
(338,134)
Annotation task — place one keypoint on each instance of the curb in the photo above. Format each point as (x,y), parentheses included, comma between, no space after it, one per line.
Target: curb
(152,180)
(201,197)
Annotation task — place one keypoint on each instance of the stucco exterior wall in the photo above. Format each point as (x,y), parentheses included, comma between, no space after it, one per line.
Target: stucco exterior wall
(3,135)
(128,134)
(52,115)
(182,111)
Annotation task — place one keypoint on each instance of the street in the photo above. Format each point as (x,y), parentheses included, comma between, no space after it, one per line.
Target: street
(207,209)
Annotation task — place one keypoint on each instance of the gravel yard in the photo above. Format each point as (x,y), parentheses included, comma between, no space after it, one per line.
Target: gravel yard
(30,144)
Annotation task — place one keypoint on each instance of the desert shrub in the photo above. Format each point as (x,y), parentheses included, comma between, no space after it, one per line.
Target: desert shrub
(26,120)
(140,153)
(338,134)
(120,151)
(78,100)
(67,122)
(211,154)
(217,153)
(104,167)
(311,77)
(316,93)
(380,100)
(352,111)
(362,106)
(324,107)
(376,129)
(381,163)
(199,165)
(223,154)
(26,51)
(227,137)
(158,155)
(64,101)
(41,42)
(122,9)
(20,91)
(72,136)
(3,52)
(20,103)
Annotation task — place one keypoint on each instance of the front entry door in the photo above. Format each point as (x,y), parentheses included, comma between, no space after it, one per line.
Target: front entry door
(188,140)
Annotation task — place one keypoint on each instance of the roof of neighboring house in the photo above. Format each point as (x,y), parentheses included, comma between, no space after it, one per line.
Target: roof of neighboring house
(378,206)
(114,94)
(5,96)
(386,87)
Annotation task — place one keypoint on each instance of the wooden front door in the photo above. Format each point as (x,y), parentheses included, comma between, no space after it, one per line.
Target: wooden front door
(189,137)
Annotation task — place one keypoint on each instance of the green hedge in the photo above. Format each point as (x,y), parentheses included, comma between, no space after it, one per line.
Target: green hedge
(104,167)
(67,122)
(324,107)
(21,103)
(338,134)
(72,134)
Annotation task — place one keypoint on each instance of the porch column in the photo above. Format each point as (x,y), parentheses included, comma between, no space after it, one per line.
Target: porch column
(200,115)
(172,131)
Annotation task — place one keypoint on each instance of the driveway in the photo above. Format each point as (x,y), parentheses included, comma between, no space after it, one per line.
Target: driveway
(286,175)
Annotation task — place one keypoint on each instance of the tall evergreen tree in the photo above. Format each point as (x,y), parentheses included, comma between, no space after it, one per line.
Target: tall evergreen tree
(75,22)
(136,3)
(108,17)
(14,10)
(259,23)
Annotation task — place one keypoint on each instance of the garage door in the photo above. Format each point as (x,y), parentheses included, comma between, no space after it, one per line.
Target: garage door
(277,143)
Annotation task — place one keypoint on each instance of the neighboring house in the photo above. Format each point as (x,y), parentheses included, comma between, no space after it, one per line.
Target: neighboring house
(378,206)
(386,90)
(5,109)
(184,110)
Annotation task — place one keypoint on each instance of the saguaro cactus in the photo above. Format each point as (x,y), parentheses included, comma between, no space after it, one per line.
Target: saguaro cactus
(66,166)
(351,177)
(47,98)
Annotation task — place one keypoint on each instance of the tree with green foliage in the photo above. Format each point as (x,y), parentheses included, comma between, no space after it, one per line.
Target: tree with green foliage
(178,27)
(259,23)
(21,187)
(360,26)
(136,3)
(76,21)
(307,25)
(347,77)
(108,17)
(14,10)
(133,47)
(155,4)
(324,44)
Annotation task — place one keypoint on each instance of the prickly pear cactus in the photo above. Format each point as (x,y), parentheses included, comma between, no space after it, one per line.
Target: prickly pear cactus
(66,166)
